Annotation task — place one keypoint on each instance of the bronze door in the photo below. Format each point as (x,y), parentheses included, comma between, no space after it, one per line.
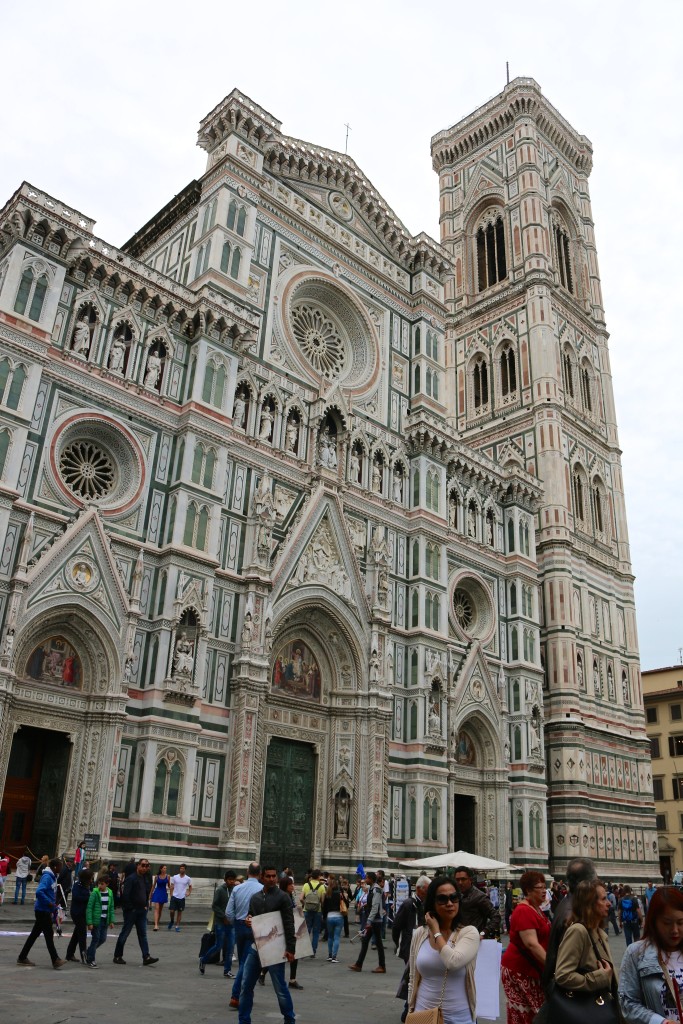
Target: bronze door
(288,806)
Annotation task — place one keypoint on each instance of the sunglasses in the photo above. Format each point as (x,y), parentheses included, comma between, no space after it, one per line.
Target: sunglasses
(444,898)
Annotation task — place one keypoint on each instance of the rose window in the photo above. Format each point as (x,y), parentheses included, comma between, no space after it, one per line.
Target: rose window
(87,470)
(319,340)
(464,609)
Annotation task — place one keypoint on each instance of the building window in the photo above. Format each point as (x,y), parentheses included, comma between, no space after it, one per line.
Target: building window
(675,746)
(654,747)
(586,381)
(658,789)
(237,217)
(196,526)
(480,383)
(675,712)
(415,610)
(515,696)
(676,786)
(564,263)
(651,715)
(517,743)
(12,380)
(431,817)
(491,260)
(412,817)
(660,822)
(535,828)
(167,788)
(432,489)
(579,497)
(31,294)
(214,384)
(508,372)
(568,373)
(203,466)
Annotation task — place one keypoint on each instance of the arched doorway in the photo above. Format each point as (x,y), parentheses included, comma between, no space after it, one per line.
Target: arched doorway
(34,791)
(286,829)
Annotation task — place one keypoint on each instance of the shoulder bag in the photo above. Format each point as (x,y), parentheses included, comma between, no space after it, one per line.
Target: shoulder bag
(567,1007)
(433,1016)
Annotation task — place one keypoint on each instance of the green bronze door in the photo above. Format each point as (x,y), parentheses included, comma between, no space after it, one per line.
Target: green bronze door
(288,806)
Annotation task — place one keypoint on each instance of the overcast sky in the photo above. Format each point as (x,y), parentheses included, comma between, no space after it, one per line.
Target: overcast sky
(101,107)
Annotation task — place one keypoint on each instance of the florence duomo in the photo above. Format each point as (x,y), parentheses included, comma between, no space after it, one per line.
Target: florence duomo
(314,543)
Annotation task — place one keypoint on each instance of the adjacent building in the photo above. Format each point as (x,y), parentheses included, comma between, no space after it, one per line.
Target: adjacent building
(663,699)
(314,542)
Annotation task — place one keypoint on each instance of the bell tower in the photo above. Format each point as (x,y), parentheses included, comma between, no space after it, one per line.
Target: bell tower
(528,381)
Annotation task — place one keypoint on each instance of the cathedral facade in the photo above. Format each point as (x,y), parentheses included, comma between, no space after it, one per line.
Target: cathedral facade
(315,547)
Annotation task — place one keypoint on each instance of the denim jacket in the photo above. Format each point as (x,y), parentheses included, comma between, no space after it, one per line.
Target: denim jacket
(640,985)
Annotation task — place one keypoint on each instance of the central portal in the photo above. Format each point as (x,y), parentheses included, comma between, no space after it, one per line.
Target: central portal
(34,791)
(288,806)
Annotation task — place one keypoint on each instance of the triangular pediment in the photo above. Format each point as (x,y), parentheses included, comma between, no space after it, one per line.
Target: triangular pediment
(79,567)
(475,690)
(320,553)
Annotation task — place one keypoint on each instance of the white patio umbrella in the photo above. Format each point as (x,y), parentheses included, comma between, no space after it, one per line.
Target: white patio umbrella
(457,859)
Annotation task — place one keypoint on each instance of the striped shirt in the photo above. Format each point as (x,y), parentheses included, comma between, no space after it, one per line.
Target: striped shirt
(104,897)
(240,897)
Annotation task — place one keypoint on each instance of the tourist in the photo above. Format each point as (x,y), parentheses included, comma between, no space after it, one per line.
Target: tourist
(475,907)
(312,895)
(44,906)
(287,885)
(80,896)
(334,918)
(237,913)
(345,890)
(612,916)
(23,870)
(524,958)
(373,928)
(410,915)
(160,886)
(651,976)
(630,915)
(79,857)
(584,961)
(181,885)
(580,869)
(650,890)
(5,870)
(220,922)
(135,903)
(443,954)
(269,900)
(99,916)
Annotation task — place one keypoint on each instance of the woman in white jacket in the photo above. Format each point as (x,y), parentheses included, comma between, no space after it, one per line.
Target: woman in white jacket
(442,958)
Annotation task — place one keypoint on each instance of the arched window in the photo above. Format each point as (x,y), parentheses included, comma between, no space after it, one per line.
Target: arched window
(508,372)
(173,791)
(416,488)
(237,217)
(568,372)
(141,777)
(432,489)
(202,527)
(5,438)
(520,828)
(412,817)
(225,257)
(413,720)
(197,463)
(232,214)
(12,380)
(517,743)
(241,220)
(579,497)
(513,598)
(209,467)
(514,644)
(480,383)
(171,521)
(428,610)
(190,524)
(491,258)
(415,609)
(563,256)
(167,784)
(235,263)
(416,346)
(159,788)
(416,378)
(430,817)
(436,612)
(413,668)
(214,383)
(535,828)
(511,536)
(416,558)
(598,508)
(162,593)
(31,294)
(586,380)
(515,696)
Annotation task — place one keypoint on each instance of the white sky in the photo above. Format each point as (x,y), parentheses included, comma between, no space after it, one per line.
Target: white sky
(101,107)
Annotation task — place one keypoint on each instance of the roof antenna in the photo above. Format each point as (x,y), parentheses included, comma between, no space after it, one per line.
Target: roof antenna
(346,144)
(507,71)
(680,655)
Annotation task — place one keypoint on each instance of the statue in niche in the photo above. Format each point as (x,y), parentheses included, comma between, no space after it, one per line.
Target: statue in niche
(264,539)
(453,511)
(239,409)
(291,435)
(9,643)
(354,467)
(128,669)
(434,718)
(489,531)
(342,808)
(374,667)
(376,478)
(382,585)
(183,661)
(506,751)
(247,630)
(266,425)
(597,684)
(390,668)
(327,450)
(153,371)
(81,341)
(264,504)
(398,487)
(471,522)
(117,356)
(579,675)
(535,733)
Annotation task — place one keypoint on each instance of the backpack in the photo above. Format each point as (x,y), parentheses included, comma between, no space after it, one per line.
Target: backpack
(628,910)
(312,897)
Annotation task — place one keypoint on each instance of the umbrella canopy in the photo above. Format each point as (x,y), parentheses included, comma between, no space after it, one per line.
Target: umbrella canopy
(457,859)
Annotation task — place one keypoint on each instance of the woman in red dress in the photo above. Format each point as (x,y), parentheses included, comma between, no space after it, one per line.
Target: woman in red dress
(523,960)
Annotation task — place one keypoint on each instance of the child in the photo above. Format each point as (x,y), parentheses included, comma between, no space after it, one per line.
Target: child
(80,897)
(99,916)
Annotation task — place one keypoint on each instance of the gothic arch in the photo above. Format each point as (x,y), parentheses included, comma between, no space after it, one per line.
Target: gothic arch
(485,735)
(295,611)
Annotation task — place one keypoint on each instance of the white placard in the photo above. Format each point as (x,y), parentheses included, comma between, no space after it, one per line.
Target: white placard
(487,968)
(269,935)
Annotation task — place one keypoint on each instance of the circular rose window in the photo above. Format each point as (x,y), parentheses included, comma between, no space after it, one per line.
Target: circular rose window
(96,461)
(472,609)
(319,339)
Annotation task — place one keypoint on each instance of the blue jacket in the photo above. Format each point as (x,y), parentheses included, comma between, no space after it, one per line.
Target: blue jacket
(80,895)
(45,893)
(640,985)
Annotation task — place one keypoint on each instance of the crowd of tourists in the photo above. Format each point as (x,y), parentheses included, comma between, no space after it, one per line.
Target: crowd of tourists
(557,967)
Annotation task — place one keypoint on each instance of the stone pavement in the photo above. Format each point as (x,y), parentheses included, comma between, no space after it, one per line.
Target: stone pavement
(173,990)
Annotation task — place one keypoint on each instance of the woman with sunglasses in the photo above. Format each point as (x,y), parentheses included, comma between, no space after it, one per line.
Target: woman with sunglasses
(523,960)
(651,976)
(442,957)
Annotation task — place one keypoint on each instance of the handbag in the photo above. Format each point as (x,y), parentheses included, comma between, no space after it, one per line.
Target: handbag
(568,1007)
(433,1016)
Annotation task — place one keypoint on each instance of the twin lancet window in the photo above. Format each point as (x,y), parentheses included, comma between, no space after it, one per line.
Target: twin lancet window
(491,259)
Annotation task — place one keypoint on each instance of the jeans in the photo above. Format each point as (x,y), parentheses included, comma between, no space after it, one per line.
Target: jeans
(335,924)
(631,931)
(79,937)
(612,919)
(98,937)
(375,933)
(20,882)
(228,946)
(219,933)
(134,917)
(243,939)
(314,920)
(251,969)
(43,924)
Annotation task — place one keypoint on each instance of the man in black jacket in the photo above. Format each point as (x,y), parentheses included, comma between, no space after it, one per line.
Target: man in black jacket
(410,916)
(581,869)
(475,907)
(135,902)
(270,900)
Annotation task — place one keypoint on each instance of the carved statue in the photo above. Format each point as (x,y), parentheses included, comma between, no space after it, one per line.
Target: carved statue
(374,667)
(264,504)
(434,718)
(117,356)
(579,675)
(471,522)
(128,669)
(398,487)
(535,733)
(247,630)
(489,531)
(266,425)
(354,467)
(376,478)
(153,370)
(183,580)
(507,751)
(342,808)
(183,661)
(453,511)
(81,342)
(327,450)
(382,585)
(390,668)
(239,409)
(9,643)
(291,435)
